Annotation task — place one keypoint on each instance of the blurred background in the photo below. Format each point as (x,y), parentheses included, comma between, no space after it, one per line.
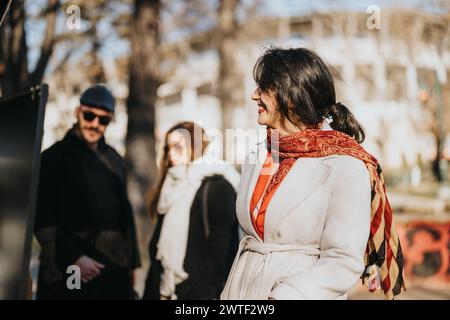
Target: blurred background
(168,61)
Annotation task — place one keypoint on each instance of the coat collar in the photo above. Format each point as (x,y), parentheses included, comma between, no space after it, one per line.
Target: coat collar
(72,138)
(290,193)
(75,145)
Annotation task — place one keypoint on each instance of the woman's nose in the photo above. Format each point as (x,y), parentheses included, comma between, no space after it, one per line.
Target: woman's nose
(255,94)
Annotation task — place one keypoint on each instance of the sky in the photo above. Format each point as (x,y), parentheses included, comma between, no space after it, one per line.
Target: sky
(294,7)
(113,47)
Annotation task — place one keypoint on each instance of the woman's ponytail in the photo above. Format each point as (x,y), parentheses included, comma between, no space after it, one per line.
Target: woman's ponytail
(345,121)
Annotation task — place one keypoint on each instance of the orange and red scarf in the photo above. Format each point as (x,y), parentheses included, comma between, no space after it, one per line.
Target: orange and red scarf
(383,247)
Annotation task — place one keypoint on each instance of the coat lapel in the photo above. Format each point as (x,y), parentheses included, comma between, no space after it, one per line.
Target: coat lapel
(305,176)
(251,171)
(290,193)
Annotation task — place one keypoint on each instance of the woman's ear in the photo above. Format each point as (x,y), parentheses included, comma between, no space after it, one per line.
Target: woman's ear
(321,124)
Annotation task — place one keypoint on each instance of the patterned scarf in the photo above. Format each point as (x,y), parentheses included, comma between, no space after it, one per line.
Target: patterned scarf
(383,248)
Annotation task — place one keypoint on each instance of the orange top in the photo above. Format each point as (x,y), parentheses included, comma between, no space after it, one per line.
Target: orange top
(259,192)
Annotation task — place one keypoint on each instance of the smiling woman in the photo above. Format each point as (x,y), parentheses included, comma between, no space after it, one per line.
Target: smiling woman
(314,208)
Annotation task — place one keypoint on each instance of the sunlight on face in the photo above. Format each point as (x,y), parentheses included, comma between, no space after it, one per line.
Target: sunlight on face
(268,113)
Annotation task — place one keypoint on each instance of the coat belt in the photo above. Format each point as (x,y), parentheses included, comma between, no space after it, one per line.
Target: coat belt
(266,249)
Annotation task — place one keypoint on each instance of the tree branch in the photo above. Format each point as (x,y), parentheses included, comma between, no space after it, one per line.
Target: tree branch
(47,44)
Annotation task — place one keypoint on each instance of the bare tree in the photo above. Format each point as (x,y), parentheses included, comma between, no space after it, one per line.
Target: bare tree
(95,11)
(229,79)
(14,50)
(143,82)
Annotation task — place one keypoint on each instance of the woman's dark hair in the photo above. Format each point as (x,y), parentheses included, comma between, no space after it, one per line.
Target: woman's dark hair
(304,89)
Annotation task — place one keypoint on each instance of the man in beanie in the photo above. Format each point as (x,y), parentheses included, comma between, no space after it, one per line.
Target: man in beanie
(84,222)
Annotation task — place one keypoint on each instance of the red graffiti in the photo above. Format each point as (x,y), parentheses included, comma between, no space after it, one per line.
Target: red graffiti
(426,251)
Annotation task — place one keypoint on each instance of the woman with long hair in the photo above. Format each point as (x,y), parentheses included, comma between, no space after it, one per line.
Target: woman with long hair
(312,201)
(196,233)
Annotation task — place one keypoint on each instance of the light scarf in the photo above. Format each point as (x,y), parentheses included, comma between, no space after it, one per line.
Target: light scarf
(177,195)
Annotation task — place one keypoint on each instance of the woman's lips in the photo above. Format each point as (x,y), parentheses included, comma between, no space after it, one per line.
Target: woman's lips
(261,108)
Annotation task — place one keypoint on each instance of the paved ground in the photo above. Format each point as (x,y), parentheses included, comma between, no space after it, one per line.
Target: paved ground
(414,292)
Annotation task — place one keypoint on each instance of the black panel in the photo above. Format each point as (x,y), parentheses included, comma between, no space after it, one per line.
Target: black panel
(21,128)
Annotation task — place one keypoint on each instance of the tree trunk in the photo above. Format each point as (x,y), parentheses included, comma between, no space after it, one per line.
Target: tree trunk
(143,82)
(47,45)
(230,86)
(96,72)
(14,50)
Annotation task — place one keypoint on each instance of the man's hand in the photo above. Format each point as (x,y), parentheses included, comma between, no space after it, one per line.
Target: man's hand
(89,268)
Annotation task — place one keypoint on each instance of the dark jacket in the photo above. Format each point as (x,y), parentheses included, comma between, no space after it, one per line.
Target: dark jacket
(83,209)
(212,244)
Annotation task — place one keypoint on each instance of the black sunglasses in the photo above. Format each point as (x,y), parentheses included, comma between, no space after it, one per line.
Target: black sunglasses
(90,116)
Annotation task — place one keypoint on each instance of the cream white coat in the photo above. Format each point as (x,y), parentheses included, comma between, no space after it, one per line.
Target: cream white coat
(315,231)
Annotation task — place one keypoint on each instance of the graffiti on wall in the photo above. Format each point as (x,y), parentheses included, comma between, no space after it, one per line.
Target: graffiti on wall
(426,250)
